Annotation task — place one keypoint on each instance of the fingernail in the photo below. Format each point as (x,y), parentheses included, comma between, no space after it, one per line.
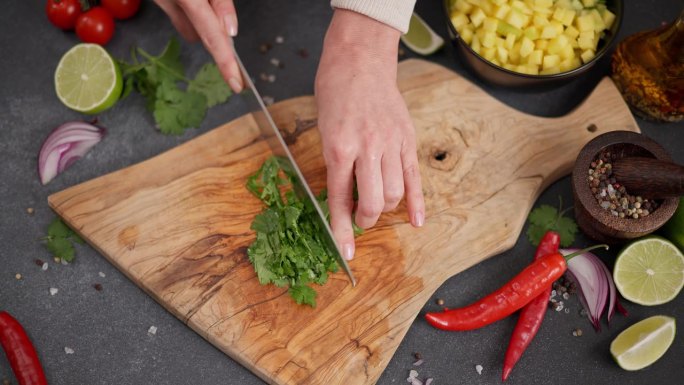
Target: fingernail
(235,85)
(348,251)
(419,219)
(230,24)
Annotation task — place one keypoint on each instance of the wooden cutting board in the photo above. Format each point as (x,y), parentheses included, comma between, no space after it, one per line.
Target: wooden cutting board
(178,224)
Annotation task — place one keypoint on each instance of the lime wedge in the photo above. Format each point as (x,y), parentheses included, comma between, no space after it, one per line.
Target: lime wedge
(420,38)
(87,79)
(643,343)
(649,271)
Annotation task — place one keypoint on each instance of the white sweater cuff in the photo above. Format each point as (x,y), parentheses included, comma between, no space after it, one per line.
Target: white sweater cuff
(395,13)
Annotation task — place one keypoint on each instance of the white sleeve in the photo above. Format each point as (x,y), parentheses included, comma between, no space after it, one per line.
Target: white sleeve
(395,13)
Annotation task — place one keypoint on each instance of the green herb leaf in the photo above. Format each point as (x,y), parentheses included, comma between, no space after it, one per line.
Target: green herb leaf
(175,110)
(547,218)
(57,229)
(303,294)
(62,248)
(210,83)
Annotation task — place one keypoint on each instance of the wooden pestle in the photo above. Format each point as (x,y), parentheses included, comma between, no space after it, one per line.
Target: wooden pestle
(649,177)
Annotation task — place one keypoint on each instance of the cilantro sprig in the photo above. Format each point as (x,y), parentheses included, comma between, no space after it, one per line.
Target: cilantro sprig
(59,240)
(288,250)
(547,218)
(157,78)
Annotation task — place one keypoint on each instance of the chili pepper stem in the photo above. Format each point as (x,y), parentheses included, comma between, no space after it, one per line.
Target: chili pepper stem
(578,252)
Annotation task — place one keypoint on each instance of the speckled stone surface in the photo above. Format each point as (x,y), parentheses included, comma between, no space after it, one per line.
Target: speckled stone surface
(108,329)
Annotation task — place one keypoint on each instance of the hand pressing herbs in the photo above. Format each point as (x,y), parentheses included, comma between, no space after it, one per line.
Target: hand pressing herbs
(157,78)
(288,250)
(547,218)
(59,240)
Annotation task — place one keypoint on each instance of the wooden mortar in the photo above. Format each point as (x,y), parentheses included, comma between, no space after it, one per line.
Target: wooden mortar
(599,223)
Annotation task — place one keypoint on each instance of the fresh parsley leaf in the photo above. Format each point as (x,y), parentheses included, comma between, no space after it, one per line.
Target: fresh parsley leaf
(547,218)
(303,294)
(210,83)
(59,240)
(157,79)
(57,229)
(175,110)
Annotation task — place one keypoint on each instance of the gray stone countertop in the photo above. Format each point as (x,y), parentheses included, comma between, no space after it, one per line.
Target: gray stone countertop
(108,329)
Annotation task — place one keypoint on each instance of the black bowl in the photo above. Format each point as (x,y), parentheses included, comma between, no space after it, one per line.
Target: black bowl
(500,76)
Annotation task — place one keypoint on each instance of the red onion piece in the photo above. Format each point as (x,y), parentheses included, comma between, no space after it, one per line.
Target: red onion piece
(595,285)
(65,145)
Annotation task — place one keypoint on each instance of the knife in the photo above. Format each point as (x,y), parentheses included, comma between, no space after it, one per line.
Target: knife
(272,136)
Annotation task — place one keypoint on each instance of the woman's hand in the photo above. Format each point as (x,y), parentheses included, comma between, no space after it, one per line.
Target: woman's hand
(215,23)
(365,126)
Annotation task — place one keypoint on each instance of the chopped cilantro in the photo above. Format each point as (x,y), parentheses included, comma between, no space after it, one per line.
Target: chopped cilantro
(288,250)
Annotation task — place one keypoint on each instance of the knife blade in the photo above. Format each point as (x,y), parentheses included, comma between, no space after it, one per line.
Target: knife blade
(271,134)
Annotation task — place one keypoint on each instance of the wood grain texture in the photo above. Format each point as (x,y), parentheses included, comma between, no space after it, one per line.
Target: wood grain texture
(178,224)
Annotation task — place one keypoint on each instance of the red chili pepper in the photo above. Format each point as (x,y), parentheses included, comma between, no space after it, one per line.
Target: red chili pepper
(20,352)
(532,315)
(512,296)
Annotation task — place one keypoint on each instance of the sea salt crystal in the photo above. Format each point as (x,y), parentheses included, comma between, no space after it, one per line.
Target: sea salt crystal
(101,274)
(279,39)
(416,381)
(478,368)
(418,363)
(566,295)
(45,266)
(412,375)
(53,290)
(152,330)
(428,381)
(68,350)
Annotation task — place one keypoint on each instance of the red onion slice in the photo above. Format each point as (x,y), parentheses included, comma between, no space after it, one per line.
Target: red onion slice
(65,145)
(595,285)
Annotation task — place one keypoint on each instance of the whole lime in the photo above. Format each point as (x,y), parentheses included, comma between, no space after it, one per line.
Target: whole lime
(674,228)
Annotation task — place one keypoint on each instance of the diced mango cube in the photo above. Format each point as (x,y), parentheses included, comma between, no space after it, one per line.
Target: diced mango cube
(499,42)
(501,11)
(536,57)
(531,33)
(541,44)
(585,23)
(550,71)
(567,4)
(495,61)
(558,14)
(599,25)
(463,6)
(568,17)
(587,40)
(510,40)
(526,47)
(489,53)
(476,45)
(577,5)
(504,29)
(565,65)
(571,32)
(539,20)
(509,66)
(589,3)
(532,69)
(558,26)
(550,61)
(543,3)
(467,35)
(514,54)
(608,18)
(502,54)
(548,32)
(459,20)
(478,16)
(489,39)
(567,52)
(516,18)
(490,24)
(587,55)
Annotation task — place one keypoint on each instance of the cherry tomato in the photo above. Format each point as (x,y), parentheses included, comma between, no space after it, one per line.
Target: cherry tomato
(121,9)
(63,13)
(95,26)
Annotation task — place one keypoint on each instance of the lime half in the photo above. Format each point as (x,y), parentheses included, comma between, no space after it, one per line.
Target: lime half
(649,271)
(643,343)
(420,38)
(87,79)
